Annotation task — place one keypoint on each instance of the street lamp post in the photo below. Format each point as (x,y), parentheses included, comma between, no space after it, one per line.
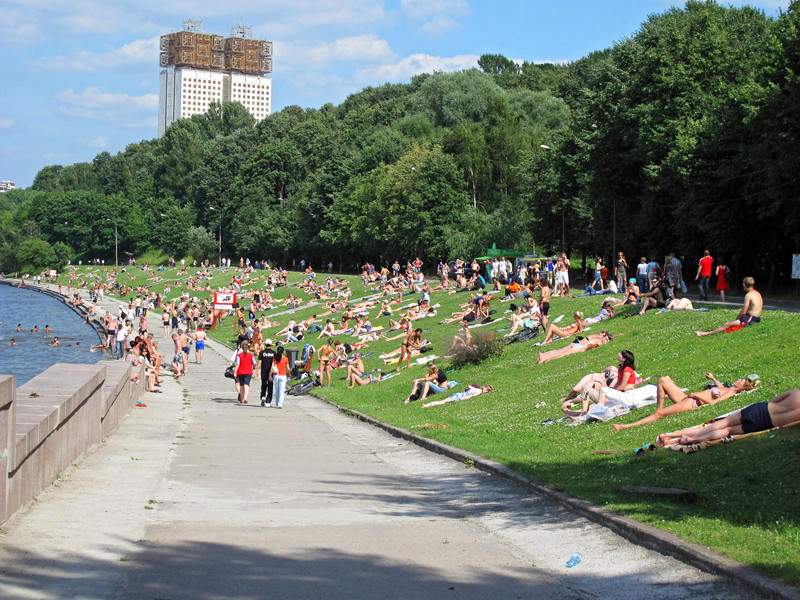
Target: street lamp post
(547,148)
(116,242)
(219,263)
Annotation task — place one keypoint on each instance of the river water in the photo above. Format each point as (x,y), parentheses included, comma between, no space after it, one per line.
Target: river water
(33,354)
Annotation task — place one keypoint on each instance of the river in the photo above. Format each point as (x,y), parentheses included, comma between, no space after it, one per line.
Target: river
(33,354)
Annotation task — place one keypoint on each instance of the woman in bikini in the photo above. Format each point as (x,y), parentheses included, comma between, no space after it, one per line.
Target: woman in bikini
(412,341)
(682,402)
(581,344)
(326,355)
(574,329)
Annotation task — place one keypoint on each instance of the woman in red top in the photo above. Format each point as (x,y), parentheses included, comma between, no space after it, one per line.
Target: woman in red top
(244,361)
(280,372)
(626,380)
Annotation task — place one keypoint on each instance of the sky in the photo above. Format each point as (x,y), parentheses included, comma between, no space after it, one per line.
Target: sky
(81,76)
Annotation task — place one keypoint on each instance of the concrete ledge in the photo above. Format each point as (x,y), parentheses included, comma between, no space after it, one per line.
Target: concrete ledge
(639,533)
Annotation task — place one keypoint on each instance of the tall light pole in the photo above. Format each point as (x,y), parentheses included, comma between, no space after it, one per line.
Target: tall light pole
(116,242)
(547,148)
(219,263)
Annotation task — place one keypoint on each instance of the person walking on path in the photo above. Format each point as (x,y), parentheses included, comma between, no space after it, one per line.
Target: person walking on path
(723,273)
(265,360)
(245,361)
(704,274)
(280,368)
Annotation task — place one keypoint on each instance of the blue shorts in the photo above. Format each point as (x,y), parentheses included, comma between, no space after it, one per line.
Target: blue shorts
(756,417)
(200,345)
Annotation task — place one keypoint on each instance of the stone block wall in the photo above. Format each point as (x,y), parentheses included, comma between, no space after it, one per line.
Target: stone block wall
(54,418)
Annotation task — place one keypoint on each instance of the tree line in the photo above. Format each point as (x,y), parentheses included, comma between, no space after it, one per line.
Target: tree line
(682,136)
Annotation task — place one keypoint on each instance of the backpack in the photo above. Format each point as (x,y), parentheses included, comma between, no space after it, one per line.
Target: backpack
(728,275)
(526,335)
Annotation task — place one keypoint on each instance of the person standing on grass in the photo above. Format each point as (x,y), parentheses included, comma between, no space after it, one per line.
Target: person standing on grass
(621,270)
(544,300)
(750,313)
(265,360)
(722,273)
(563,266)
(280,369)
(326,355)
(704,274)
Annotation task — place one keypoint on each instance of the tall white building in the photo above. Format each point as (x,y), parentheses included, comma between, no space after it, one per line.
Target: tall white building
(201,68)
(184,92)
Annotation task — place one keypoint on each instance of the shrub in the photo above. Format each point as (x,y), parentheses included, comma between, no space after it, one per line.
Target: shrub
(483,347)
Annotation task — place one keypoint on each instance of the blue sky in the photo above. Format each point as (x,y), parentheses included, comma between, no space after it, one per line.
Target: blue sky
(81,76)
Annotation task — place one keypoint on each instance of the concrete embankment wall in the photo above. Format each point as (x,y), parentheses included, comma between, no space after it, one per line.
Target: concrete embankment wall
(53,419)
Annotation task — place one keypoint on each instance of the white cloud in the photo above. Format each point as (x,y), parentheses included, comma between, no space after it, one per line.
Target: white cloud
(367,47)
(16,27)
(6,122)
(415,64)
(122,109)
(133,53)
(421,9)
(99,142)
(439,26)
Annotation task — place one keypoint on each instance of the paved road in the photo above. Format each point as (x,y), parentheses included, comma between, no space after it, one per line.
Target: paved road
(233,501)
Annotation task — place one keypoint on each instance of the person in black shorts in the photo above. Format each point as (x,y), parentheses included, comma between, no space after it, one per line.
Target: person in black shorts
(265,358)
(782,410)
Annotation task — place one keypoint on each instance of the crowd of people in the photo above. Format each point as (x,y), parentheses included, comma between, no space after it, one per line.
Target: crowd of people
(527,288)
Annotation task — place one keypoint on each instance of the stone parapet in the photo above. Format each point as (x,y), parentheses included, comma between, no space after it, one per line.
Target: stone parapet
(54,418)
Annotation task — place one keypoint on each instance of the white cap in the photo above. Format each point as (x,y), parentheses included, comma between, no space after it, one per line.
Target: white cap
(268,342)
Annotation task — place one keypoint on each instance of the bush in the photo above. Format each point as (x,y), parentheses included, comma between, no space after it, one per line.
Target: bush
(483,347)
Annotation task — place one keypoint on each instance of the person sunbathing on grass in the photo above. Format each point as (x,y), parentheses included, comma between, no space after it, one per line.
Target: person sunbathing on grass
(419,387)
(581,344)
(355,368)
(525,317)
(750,313)
(471,391)
(782,410)
(365,379)
(682,402)
(592,392)
(682,304)
(575,328)
(460,342)
(606,312)
(606,378)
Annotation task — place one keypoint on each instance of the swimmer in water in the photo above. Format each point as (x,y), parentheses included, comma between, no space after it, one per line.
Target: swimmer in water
(35,329)
(19,328)
(47,329)
(55,342)
(13,342)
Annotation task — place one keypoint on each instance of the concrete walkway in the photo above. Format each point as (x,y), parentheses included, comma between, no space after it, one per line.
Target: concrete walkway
(199,497)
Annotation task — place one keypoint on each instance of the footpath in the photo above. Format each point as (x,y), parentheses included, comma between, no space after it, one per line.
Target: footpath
(197,496)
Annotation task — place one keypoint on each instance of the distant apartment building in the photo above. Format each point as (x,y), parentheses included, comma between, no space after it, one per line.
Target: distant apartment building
(7,185)
(200,68)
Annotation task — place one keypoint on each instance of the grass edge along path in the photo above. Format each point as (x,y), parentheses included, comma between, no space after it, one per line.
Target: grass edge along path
(748,508)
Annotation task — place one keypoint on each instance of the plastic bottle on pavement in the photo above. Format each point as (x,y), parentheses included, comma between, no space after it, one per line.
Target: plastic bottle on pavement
(574,560)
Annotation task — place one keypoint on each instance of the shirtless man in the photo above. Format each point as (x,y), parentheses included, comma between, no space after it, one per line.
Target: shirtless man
(199,345)
(750,313)
(783,409)
(544,300)
(563,266)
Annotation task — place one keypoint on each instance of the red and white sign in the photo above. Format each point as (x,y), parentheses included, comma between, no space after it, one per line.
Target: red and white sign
(53,273)
(224,300)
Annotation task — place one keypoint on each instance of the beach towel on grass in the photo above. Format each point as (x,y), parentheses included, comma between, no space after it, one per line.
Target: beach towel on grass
(619,403)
